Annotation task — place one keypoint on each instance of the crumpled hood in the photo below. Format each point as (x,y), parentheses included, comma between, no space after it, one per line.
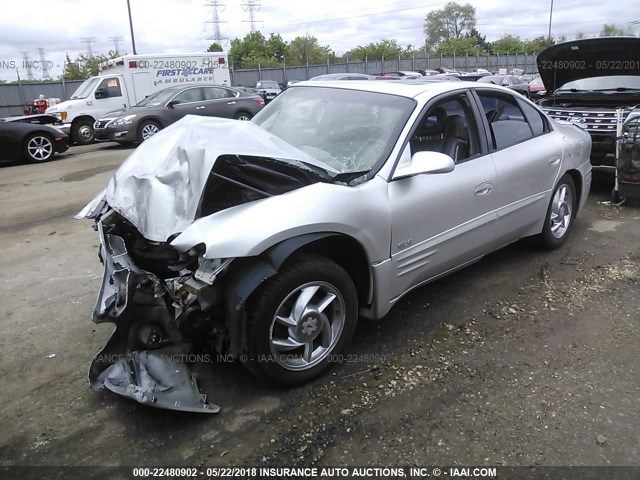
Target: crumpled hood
(590,57)
(158,188)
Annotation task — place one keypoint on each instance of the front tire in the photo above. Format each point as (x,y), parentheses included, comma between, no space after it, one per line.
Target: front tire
(148,129)
(560,214)
(82,132)
(39,148)
(299,319)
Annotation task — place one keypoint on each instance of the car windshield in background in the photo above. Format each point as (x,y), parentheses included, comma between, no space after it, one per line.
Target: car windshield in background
(495,79)
(158,98)
(610,83)
(349,130)
(267,84)
(85,89)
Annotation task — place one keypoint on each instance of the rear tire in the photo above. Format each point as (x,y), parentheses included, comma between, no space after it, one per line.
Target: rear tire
(244,116)
(39,148)
(560,214)
(82,132)
(299,319)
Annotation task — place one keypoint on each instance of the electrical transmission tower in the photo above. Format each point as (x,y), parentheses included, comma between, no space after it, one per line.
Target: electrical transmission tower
(252,7)
(216,7)
(116,43)
(26,63)
(88,41)
(44,65)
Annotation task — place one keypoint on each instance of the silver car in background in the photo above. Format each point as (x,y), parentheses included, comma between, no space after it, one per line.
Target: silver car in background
(267,240)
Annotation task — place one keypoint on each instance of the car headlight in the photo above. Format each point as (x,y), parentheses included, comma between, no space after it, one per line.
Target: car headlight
(125,120)
(62,115)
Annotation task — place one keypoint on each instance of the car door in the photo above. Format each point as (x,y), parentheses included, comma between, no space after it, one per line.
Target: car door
(9,141)
(220,102)
(189,101)
(527,154)
(108,96)
(442,221)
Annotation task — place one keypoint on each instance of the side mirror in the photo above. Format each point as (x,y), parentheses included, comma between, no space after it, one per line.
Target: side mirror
(101,93)
(425,162)
(173,103)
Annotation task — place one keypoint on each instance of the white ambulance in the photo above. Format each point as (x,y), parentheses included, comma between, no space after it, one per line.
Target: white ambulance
(124,81)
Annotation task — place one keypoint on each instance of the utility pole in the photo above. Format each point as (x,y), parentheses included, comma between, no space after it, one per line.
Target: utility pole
(133,40)
(550,18)
(44,65)
(26,63)
(252,7)
(88,41)
(116,43)
(216,7)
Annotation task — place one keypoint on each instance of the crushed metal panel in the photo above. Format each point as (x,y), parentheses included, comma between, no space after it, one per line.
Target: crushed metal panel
(154,378)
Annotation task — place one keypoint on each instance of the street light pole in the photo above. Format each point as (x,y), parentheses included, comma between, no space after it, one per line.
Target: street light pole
(550,18)
(133,40)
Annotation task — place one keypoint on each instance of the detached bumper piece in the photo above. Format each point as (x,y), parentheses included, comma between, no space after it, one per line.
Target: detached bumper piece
(144,358)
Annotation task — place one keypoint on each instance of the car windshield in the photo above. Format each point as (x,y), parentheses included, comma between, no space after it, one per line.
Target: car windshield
(85,89)
(158,98)
(349,130)
(267,84)
(609,83)
(491,79)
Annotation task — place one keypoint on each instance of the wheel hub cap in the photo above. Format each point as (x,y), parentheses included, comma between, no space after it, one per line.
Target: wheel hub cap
(561,211)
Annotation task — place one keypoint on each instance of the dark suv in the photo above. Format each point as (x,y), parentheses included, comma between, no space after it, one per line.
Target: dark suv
(595,84)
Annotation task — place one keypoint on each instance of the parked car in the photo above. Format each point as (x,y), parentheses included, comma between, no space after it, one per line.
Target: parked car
(269,89)
(598,77)
(21,139)
(537,88)
(527,78)
(509,81)
(342,76)
(269,239)
(167,106)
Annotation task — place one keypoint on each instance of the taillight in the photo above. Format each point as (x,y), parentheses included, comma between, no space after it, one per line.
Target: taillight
(259,100)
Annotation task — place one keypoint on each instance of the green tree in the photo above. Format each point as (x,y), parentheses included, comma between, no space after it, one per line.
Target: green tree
(458,46)
(375,51)
(580,36)
(254,49)
(85,66)
(215,47)
(452,21)
(306,49)
(611,30)
(508,44)
(537,44)
(481,40)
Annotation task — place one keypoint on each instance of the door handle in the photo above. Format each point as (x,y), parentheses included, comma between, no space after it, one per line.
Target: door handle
(554,162)
(201,107)
(483,189)
(231,103)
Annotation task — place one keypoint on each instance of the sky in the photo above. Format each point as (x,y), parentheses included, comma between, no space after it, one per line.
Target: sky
(179,26)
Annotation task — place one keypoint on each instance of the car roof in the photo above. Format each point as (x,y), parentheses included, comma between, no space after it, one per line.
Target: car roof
(403,89)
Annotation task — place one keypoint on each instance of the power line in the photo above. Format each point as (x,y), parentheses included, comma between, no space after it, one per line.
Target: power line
(215,20)
(252,7)
(26,61)
(44,65)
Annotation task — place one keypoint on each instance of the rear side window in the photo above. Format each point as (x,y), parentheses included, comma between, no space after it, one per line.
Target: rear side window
(212,93)
(507,123)
(536,119)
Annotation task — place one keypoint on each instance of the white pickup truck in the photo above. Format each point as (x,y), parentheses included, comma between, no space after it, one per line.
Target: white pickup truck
(126,81)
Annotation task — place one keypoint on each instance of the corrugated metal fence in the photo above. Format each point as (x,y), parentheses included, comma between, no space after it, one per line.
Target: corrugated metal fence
(13,95)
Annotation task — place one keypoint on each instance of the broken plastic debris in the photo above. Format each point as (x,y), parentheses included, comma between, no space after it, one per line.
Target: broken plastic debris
(51,355)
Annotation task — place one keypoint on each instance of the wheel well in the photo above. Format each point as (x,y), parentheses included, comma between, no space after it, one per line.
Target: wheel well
(350,255)
(83,118)
(150,119)
(577,183)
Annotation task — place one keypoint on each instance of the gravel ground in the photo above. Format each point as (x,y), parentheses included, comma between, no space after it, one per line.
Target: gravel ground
(525,358)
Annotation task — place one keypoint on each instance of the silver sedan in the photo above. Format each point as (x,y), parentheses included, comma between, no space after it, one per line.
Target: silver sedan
(269,239)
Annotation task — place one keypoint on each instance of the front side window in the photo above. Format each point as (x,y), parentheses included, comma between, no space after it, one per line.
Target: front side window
(189,96)
(447,127)
(111,87)
(507,123)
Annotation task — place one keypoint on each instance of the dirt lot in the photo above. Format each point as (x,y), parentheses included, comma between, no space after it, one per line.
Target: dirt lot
(526,358)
